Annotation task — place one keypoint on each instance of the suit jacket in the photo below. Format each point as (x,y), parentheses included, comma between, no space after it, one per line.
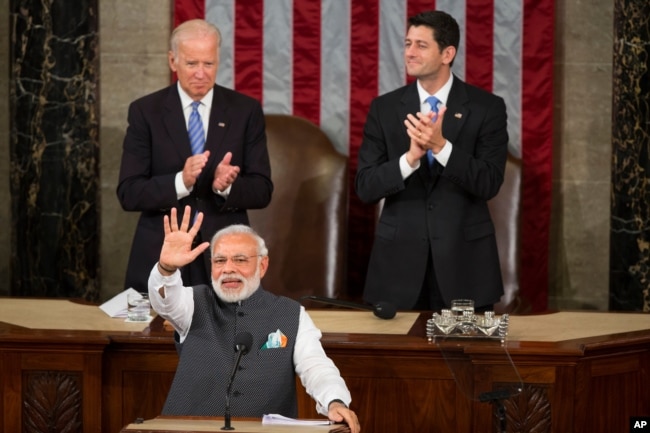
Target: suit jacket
(442,209)
(156,147)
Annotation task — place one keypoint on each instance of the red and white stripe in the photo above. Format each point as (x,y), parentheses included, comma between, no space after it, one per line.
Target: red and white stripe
(325,61)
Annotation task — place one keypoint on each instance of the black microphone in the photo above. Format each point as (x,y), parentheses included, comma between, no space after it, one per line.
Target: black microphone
(243,343)
(383,310)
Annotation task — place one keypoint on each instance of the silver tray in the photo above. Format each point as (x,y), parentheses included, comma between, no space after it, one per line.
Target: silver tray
(471,326)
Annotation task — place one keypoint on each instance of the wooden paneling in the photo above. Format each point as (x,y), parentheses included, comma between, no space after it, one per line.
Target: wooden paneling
(398,382)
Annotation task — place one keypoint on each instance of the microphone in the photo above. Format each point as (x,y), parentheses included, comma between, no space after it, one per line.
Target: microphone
(243,343)
(383,310)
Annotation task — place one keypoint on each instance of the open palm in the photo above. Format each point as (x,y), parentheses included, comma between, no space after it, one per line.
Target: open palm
(177,246)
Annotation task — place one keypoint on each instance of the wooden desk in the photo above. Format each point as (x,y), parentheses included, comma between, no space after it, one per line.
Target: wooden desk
(577,377)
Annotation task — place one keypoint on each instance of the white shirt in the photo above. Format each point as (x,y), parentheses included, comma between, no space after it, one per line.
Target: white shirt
(318,374)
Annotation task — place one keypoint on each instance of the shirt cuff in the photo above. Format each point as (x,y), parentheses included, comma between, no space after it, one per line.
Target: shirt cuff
(223,193)
(442,157)
(181,191)
(405,168)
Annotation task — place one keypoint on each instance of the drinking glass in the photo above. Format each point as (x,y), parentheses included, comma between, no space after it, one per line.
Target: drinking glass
(460,305)
(139,307)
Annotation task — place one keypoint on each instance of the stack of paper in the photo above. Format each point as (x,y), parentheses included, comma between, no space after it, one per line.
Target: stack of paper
(283,420)
(118,305)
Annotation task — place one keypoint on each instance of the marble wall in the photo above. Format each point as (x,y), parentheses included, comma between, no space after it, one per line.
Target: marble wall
(5,197)
(133,41)
(54,149)
(630,237)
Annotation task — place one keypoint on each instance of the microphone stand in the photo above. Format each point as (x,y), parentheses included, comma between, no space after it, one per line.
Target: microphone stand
(226,417)
(496,398)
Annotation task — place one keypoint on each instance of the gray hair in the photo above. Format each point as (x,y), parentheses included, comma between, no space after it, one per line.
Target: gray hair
(240,229)
(192,28)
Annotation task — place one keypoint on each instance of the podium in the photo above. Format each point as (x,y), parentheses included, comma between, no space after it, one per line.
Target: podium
(581,372)
(169,424)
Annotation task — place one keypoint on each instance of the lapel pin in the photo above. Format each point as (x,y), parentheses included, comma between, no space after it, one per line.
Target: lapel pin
(458,115)
(221,124)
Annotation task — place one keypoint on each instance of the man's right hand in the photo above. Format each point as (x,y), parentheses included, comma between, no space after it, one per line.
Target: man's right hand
(177,249)
(193,167)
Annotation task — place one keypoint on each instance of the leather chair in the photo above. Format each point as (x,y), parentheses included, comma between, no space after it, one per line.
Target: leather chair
(305,224)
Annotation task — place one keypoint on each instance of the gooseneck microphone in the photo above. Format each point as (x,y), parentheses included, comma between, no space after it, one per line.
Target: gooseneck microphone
(243,343)
(383,310)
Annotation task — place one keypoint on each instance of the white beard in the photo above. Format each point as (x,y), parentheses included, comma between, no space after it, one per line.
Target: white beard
(250,286)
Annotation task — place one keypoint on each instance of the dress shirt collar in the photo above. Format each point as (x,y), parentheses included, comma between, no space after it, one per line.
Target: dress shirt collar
(442,94)
(186,100)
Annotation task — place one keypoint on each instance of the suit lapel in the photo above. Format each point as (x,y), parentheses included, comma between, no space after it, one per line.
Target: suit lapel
(174,123)
(217,127)
(457,111)
(218,123)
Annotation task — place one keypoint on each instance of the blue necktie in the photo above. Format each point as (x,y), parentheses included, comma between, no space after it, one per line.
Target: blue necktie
(195,130)
(433,101)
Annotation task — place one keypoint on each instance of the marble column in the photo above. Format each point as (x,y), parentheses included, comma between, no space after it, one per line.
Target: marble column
(54,148)
(630,220)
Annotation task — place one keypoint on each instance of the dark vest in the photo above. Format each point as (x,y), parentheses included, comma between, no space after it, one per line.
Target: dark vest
(265,382)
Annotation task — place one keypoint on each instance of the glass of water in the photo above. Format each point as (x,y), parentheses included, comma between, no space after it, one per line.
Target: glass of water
(458,306)
(139,307)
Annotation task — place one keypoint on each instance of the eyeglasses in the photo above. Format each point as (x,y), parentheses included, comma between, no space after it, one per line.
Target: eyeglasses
(238,260)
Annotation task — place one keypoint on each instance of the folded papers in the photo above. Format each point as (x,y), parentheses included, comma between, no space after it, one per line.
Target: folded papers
(283,420)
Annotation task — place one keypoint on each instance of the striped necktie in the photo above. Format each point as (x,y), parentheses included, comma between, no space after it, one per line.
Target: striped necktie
(433,101)
(195,130)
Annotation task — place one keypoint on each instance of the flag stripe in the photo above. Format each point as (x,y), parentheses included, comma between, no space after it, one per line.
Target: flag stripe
(277,59)
(478,36)
(306,59)
(364,85)
(187,10)
(392,73)
(335,74)
(537,135)
(222,14)
(508,19)
(248,47)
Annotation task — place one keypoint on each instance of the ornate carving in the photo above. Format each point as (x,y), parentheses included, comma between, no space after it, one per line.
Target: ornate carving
(52,402)
(530,411)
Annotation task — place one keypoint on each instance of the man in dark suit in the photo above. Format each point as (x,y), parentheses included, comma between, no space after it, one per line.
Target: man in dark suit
(222,170)
(435,238)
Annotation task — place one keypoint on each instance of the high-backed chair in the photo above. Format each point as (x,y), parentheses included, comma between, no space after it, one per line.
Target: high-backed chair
(305,224)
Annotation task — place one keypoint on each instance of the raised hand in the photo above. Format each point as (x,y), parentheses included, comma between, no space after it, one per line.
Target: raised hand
(177,247)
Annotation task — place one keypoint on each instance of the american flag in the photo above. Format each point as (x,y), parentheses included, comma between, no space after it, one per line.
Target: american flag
(325,60)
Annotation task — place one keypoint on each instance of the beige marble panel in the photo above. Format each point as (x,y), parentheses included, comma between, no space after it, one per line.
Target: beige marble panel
(586,134)
(5,197)
(588,29)
(580,258)
(579,238)
(134,44)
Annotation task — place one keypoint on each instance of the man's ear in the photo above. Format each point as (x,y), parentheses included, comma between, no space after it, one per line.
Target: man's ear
(170,58)
(448,54)
(264,265)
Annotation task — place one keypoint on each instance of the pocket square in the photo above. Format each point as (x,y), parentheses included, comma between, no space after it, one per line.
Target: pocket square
(275,340)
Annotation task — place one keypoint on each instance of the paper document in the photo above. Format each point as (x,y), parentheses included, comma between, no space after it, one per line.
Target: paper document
(280,419)
(118,305)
